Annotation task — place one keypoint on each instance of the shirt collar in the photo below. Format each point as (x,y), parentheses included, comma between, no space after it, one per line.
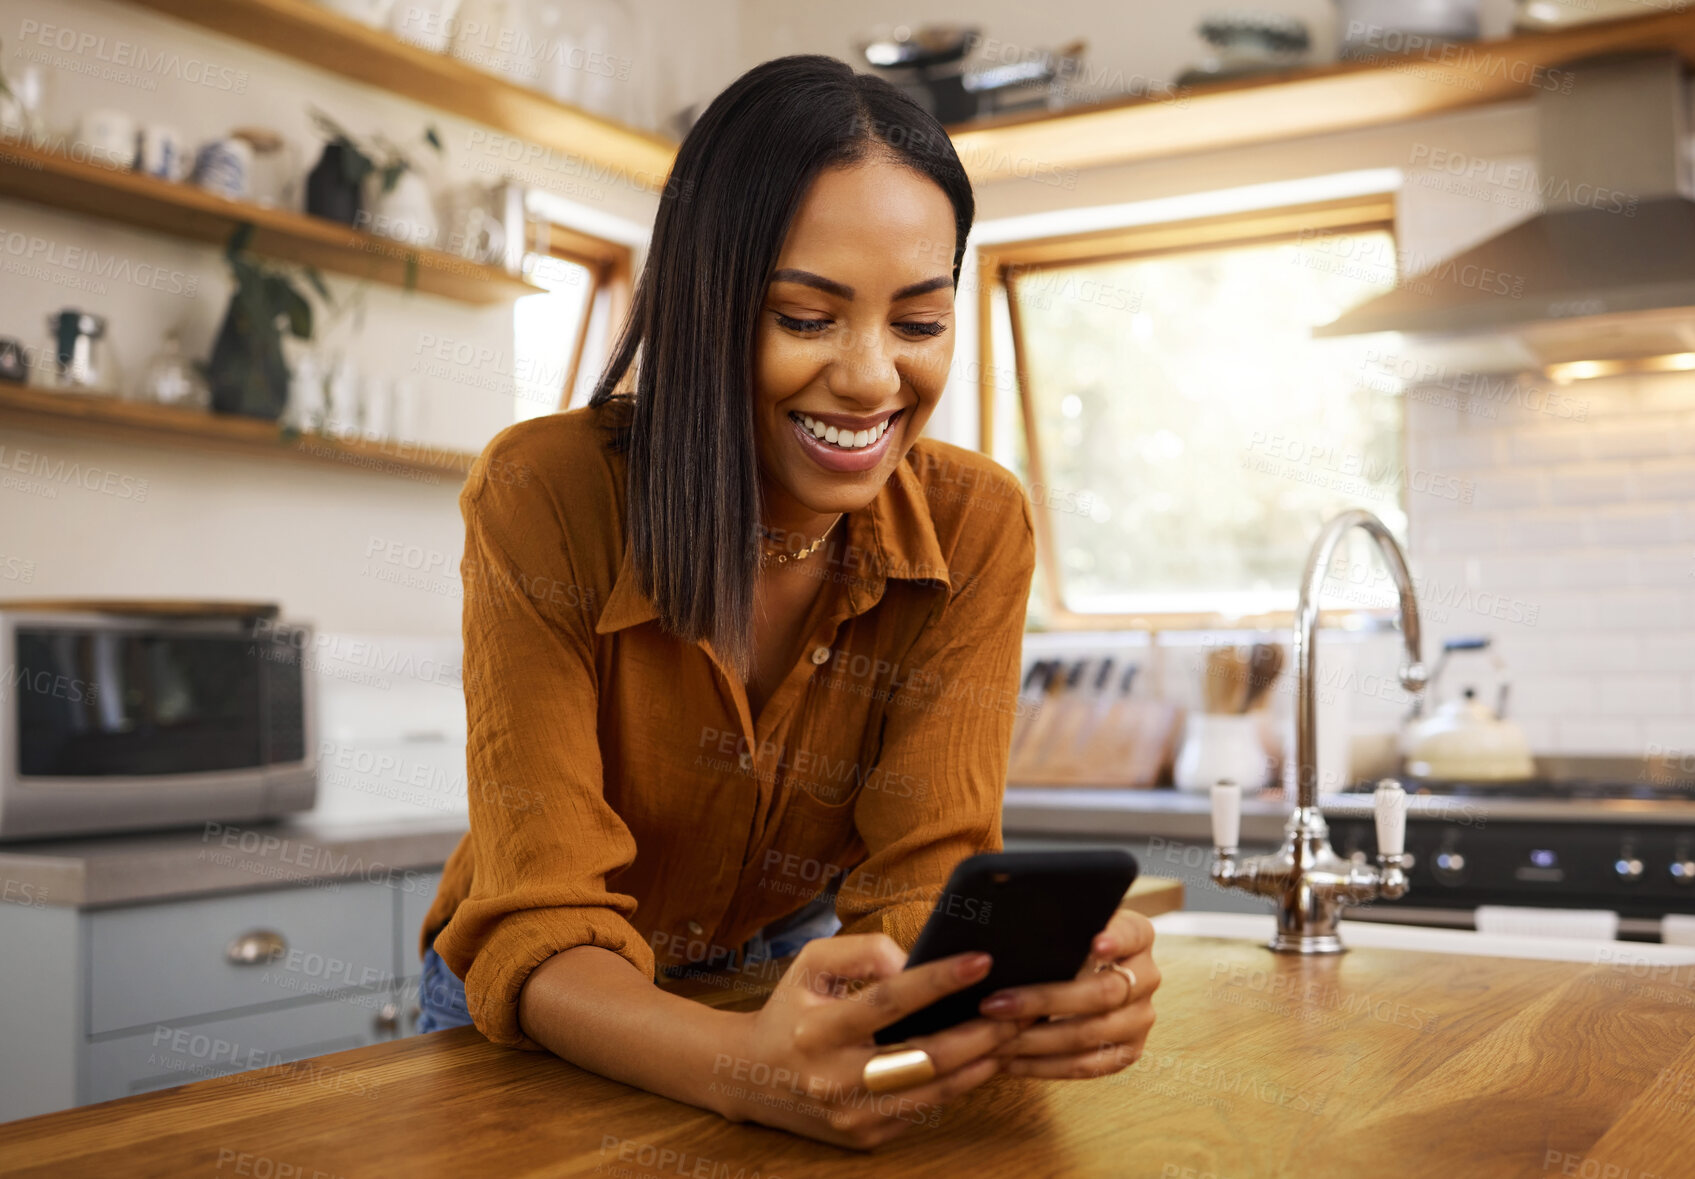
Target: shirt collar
(892,536)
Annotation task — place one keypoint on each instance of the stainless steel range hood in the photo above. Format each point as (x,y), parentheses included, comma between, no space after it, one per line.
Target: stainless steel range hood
(1605,273)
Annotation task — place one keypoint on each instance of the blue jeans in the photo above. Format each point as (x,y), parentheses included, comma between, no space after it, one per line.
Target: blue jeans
(441,996)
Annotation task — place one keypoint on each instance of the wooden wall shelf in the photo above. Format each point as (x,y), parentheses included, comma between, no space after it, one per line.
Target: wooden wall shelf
(325,39)
(86,414)
(1046,147)
(1288,105)
(181,210)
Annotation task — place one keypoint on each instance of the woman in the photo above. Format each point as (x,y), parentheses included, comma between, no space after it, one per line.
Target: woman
(741,654)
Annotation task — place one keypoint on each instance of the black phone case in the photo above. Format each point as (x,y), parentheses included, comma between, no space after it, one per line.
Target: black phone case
(1035,912)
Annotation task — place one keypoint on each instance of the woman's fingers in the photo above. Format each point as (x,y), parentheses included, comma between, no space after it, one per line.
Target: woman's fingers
(1127,1026)
(887,1115)
(892,997)
(939,1092)
(1093,991)
(960,1045)
(815,1035)
(832,967)
(1126,935)
(1098,1062)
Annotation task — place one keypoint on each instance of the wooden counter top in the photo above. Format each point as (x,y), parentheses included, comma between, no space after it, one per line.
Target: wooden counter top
(1374,1063)
(1152,895)
(98,870)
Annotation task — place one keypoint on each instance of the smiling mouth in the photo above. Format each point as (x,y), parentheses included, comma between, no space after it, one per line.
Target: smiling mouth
(845,440)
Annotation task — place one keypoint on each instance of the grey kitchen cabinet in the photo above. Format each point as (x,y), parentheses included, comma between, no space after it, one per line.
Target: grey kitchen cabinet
(177,1053)
(415,899)
(105,1002)
(156,963)
(414,903)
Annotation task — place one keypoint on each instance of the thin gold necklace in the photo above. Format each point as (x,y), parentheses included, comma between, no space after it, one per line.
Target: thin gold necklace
(784,557)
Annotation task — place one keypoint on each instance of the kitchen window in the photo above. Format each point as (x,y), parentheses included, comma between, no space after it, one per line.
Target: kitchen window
(1181,435)
(562,337)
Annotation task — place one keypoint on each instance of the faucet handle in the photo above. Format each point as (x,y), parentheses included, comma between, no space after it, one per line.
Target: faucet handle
(1226,815)
(1390,804)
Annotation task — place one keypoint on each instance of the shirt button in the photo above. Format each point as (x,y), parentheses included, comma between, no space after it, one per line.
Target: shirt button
(746,761)
(696,928)
(821,655)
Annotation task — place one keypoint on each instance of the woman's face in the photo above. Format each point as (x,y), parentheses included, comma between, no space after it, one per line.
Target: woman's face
(856,335)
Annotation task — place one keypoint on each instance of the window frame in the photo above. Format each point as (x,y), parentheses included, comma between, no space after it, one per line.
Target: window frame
(999,266)
(611,267)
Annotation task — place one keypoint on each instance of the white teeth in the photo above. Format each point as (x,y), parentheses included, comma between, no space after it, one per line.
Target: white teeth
(846,439)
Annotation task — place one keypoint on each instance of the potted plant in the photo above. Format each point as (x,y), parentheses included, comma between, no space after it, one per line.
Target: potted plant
(247,372)
(374,185)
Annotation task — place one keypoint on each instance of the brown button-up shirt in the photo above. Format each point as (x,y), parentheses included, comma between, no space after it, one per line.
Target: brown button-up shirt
(621,792)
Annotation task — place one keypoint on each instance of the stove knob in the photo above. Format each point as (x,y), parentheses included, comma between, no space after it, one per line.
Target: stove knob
(1448,866)
(1683,871)
(1628,866)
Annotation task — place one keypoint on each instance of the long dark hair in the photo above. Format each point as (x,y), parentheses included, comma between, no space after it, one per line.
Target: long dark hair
(739,176)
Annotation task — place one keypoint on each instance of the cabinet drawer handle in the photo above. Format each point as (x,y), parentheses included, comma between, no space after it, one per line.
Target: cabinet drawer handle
(255,948)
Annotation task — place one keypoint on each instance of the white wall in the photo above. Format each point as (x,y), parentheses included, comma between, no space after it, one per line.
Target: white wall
(216,526)
(1580,529)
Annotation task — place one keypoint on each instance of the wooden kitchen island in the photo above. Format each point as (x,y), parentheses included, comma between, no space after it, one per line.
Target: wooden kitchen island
(1374,1063)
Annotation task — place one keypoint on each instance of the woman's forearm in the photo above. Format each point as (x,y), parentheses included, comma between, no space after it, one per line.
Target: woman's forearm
(591,1007)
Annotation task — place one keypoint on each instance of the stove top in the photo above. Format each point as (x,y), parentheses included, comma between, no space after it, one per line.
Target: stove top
(1583,833)
(1575,790)
(1588,779)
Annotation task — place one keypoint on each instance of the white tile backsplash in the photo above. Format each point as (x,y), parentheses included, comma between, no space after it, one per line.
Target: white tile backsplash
(1587,519)
(1591,484)
(1549,445)
(1672,479)
(1505,487)
(1643,525)
(1649,436)
(1641,694)
(1668,652)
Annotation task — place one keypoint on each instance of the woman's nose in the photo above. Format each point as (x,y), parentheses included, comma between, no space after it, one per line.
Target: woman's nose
(864,370)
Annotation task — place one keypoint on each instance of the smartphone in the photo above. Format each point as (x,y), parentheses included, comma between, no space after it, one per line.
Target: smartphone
(1036,913)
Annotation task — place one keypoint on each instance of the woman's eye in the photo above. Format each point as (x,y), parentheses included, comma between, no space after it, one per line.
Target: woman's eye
(933,328)
(801,325)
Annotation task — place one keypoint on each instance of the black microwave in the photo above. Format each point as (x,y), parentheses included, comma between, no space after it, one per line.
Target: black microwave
(116,718)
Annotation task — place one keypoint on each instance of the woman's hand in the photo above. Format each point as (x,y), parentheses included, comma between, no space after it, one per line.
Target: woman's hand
(1097,1024)
(803,1061)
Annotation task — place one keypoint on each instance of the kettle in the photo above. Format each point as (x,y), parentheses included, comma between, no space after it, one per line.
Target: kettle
(78,356)
(1464,738)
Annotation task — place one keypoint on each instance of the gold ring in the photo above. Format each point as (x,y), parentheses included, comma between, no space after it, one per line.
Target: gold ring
(901,1067)
(1129,976)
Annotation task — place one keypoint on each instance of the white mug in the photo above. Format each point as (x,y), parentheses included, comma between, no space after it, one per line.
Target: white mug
(224,167)
(161,152)
(108,136)
(376,406)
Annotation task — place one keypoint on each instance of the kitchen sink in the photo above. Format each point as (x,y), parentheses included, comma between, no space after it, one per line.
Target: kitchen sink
(1258,927)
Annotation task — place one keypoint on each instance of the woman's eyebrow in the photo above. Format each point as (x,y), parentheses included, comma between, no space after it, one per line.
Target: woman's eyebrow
(923,288)
(842,291)
(805,277)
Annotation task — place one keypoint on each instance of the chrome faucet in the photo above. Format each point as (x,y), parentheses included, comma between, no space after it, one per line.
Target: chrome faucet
(1306,877)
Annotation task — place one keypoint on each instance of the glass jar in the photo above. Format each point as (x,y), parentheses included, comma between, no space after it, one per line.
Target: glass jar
(170,378)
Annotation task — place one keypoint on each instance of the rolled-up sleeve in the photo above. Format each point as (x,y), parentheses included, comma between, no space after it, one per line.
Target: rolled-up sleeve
(544,838)
(935,796)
